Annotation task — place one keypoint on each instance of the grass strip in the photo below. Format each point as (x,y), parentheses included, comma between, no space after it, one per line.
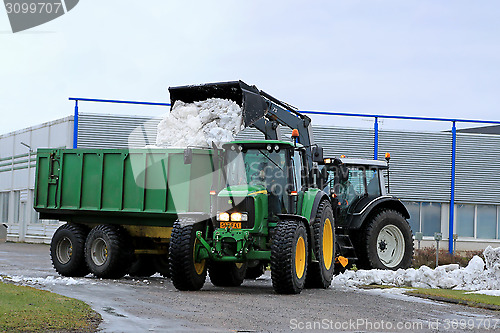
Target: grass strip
(458,297)
(26,309)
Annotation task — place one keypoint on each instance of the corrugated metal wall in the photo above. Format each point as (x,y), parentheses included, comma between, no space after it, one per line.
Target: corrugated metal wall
(112,131)
(478,168)
(420,163)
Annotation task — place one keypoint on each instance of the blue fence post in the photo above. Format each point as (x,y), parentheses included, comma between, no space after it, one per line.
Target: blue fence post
(375,140)
(75,126)
(452,190)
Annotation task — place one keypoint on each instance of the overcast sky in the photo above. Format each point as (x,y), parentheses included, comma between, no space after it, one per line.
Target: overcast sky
(419,58)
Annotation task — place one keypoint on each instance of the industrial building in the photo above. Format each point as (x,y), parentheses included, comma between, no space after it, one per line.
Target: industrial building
(420,171)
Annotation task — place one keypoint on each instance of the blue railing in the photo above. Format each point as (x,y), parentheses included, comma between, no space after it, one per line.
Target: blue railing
(453,122)
(115,101)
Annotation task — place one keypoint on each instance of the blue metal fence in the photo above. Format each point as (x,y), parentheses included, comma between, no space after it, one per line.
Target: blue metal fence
(376,118)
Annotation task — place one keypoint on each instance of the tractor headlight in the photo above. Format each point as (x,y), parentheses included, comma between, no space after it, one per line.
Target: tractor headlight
(223,217)
(239,217)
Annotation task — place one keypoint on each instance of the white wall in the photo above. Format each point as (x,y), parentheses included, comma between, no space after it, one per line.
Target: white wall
(17,176)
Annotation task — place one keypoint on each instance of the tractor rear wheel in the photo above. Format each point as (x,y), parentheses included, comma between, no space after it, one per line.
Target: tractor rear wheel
(320,272)
(289,257)
(227,274)
(108,251)
(387,242)
(67,250)
(142,266)
(186,273)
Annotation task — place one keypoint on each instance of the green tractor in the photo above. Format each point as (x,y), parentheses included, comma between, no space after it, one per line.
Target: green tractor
(280,203)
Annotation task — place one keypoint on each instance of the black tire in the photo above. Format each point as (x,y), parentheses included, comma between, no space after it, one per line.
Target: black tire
(289,257)
(185,273)
(142,266)
(162,265)
(227,274)
(108,251)
(255,272)
(67,250)
(320,273)
(387,242)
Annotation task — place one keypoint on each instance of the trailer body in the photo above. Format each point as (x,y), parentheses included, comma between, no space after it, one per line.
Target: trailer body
(139,187)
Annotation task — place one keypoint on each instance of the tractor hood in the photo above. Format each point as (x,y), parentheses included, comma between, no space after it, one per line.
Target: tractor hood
(243,191)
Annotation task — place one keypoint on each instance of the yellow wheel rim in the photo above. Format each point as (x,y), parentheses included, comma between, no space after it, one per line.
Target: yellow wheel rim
(327,244)
(300,257)
(198,266)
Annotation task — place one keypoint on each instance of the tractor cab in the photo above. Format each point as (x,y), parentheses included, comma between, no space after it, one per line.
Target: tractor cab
(260,179)
(354,183)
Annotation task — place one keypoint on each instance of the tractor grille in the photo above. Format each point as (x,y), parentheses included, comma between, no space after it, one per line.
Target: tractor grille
(247,205)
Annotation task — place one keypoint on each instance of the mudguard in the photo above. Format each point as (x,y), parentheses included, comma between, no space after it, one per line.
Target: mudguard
(383,202)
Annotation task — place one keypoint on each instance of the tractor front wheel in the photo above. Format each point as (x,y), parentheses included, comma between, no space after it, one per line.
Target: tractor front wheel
(186,273)
(320,272)
(387,241)
(289,257)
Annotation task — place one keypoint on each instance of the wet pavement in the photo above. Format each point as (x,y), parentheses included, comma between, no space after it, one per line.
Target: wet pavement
(154,305)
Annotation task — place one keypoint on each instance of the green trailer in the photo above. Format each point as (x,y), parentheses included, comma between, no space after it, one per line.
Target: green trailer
(125,200)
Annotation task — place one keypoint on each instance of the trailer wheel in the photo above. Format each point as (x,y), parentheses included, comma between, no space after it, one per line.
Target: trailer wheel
(108,252)
(255,272)
(142,266)
(227,274)
(388,241)
(320,272)
(289,257)
(186,273)
(67,250)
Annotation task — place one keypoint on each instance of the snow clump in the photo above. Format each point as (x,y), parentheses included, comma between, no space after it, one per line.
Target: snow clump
(478,275)
(200,123)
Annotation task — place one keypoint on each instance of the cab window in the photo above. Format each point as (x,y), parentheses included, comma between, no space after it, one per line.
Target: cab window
(373,182)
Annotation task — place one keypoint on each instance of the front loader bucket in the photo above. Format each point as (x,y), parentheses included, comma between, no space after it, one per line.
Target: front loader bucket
(247,97)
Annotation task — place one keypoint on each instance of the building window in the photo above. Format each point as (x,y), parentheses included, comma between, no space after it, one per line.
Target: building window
(486,225)
(17,204)
(414,210)
(431,218)
(465,220)
(4,206)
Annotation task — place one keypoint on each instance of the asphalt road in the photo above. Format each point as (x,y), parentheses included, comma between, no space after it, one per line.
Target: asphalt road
(154,305)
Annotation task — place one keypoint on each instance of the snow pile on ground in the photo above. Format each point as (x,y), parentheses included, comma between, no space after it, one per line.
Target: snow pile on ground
(476,276)
(49,280)
(200,123)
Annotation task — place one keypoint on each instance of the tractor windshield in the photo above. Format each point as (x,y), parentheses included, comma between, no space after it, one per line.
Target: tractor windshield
(261,167)
(256,167)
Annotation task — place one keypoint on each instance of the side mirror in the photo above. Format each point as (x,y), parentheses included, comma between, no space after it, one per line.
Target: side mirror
(317,154)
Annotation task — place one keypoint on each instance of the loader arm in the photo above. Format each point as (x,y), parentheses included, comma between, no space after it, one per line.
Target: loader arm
(260,110)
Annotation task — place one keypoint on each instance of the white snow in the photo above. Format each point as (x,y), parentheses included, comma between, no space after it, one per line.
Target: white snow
(49,280)
(486,292)
(200,123)
(477,276)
